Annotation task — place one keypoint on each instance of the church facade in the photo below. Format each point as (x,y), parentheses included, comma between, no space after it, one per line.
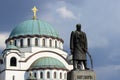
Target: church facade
(34,51)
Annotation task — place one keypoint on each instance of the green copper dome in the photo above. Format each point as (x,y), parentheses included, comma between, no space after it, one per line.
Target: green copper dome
(11,47)
(47,62)
(33,27)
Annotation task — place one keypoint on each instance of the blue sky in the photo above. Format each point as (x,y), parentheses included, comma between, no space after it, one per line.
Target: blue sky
(100,20)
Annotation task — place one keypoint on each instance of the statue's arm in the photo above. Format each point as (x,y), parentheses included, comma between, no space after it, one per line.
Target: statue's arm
(86,43)
(71,42)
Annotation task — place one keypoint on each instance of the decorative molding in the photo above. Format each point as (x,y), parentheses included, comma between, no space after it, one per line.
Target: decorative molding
(12,70)
(48,68)
(42,52)
(31,36)
(34,69)
(12,52)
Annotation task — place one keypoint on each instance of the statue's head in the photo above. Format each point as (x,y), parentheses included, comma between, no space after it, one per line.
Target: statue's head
(78,27)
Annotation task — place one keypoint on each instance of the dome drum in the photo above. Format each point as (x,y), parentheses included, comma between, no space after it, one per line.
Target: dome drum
(35,31)
(48,74)
(48,42)
(50,67)
(31,36)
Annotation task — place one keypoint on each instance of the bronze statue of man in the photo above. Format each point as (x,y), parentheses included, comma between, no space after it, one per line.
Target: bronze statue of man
(78,46)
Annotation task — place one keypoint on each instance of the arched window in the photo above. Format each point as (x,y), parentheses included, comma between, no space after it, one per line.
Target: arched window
(36,42)
(41,75)
(43,42)
(60,75)
(55,44)
(13,61)
(13,78)
(15,43)
(11,42)
(28,42)
(21,43)
(55,75)
(50,43)
(35,75)
(30,74)
(1,61)
(48,75)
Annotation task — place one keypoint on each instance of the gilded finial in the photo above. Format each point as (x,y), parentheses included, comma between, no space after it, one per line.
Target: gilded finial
(34,9)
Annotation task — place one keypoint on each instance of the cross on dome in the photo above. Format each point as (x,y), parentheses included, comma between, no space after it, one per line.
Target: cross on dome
(34,9)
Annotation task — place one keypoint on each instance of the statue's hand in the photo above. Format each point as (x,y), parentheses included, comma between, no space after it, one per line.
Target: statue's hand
(85,50)
(71,51)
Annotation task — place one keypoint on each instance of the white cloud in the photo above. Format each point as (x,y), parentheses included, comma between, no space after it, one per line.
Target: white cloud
(65,13)
(3,37)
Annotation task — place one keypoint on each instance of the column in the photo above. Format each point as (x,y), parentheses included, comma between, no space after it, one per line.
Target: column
(39,42)
(32,42)
(47,42)
(25,42)
(38,75)
(18,42)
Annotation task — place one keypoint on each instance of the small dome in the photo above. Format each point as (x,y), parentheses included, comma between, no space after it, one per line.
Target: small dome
(11,47)
(33,27)
(47,62)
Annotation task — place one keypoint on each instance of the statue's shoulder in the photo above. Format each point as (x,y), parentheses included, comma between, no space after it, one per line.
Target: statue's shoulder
(83,32)
(73,32)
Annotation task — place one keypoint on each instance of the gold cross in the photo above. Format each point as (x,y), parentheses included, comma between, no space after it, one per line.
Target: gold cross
(34,11)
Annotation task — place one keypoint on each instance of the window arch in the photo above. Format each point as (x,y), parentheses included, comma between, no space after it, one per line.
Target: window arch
(30,74)
(1,61)
(60,75)
(50,43)
(43,42)
(48,74)
(13,78)
(36,42)
(35,75)
(41,75)
(13,61)
(28,42)
(55,44)
(21,43)
(15,43)
(11,42)
(55,75)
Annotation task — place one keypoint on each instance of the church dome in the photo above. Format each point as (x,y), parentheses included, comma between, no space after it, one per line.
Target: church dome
(33,27)
(11,47)
(47,62)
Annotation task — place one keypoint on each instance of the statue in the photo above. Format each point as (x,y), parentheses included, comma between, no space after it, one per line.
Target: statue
(78,47)
(79,51)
